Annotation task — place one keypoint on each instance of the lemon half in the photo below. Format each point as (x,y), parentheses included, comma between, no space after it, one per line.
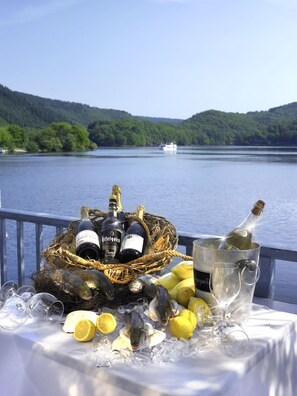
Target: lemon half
(84,330)
(106,323)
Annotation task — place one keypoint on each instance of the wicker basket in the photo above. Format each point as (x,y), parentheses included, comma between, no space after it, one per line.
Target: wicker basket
(162,241)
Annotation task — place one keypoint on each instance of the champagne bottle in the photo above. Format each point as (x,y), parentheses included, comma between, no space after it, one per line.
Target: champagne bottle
(134,241)
(116,190)
(111,232)
(240,238)
(87,240)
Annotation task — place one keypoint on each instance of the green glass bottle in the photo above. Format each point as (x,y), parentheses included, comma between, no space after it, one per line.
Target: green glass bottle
(240,238)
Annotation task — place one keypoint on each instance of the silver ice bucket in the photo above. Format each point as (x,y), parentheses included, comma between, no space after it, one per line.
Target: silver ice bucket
(206,254)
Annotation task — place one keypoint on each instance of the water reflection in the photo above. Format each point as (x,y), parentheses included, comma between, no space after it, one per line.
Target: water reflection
(210,153)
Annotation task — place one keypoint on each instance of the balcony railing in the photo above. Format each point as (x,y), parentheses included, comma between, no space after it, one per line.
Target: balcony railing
(268,256)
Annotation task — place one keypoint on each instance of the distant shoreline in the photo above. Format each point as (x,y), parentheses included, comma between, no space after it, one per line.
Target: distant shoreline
(20,150)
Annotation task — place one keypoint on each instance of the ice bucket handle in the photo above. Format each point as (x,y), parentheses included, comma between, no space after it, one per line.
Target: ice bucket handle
(250,271)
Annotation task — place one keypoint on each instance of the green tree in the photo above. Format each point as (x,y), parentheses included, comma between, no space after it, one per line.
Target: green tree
(18,135)
(32,147)
(6,139)
(61,136)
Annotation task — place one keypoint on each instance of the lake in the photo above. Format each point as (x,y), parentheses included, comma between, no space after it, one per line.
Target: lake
(206,189)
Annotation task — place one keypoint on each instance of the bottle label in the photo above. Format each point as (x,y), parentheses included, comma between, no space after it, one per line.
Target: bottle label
(201,280)
(133,241)
(87,236)
(112,238)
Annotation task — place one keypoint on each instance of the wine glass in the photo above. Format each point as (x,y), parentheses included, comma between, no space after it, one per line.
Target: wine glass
(45,308)
(26,292)
(225,284)
(13,313)
(7,290)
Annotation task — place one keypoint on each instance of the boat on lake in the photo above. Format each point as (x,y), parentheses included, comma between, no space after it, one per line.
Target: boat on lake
(168,146)
(2,151)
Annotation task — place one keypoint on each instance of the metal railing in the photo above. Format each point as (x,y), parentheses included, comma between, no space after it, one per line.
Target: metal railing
(39,220)
(268,255)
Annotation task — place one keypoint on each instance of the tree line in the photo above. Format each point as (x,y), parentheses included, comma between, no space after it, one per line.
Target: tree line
(58,136)
(209,128)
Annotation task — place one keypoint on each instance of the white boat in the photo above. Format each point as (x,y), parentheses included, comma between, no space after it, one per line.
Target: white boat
(168,146)
(2,151)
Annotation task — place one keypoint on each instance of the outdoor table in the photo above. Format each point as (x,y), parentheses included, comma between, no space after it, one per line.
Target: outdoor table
(46,361)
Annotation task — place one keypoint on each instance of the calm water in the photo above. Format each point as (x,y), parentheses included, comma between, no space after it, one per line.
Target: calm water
(199,189)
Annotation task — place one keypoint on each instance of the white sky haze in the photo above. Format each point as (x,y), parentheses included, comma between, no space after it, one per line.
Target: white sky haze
(159,58)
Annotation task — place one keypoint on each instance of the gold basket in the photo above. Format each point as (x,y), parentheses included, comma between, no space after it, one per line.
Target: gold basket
(162,241)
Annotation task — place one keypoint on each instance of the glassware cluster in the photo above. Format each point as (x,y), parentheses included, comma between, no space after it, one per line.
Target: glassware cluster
(19,305)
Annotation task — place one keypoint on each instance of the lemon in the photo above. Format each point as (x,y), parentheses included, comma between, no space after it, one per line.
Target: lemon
(183,295)
(181,327)
(185,283)
(172,294)
(183,270)
(106,323)
(168,280)
(75,316)
(84,330)
(187,314)
(204,313)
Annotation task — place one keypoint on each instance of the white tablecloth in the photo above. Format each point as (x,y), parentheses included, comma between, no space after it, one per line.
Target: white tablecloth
(47,362)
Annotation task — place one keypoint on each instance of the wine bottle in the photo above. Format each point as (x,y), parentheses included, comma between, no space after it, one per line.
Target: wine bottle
(134,241)
(111,232)
(116,190)
(87,240)
(240,238)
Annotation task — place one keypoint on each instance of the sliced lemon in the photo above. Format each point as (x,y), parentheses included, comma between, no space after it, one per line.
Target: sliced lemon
(84,330)
(168,280)
(183,270)
(106,323)
(187,314)
(75,316)
(183,295)
(181,327)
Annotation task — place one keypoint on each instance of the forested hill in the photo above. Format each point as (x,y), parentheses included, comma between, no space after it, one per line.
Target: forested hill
(275,126)
(249,120)
(33,111)
(31,121)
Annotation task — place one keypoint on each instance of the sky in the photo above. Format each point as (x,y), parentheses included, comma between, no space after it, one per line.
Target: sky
(157,58)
